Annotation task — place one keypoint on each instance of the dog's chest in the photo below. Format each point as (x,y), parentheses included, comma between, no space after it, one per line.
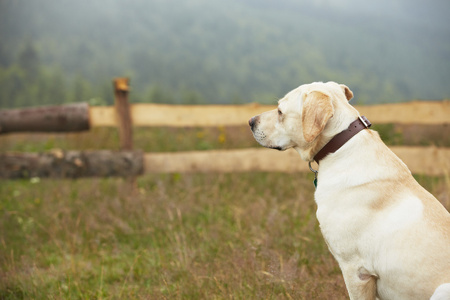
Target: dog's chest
(353,228)
(341,213)
(341,227)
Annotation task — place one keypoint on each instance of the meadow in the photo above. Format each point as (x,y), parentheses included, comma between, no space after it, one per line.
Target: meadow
(168,236)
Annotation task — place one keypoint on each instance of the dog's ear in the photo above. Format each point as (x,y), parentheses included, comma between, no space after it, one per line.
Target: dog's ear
(317,110)
(348,93)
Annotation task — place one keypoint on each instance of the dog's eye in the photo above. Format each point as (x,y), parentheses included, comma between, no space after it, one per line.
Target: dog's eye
(279,112)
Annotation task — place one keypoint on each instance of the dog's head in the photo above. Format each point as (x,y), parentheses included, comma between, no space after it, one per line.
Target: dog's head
(306,118)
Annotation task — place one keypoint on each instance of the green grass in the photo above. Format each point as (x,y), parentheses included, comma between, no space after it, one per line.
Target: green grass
(148,139)
(204,236)
(166,139)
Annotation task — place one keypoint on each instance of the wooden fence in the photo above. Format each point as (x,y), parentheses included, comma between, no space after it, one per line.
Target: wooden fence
(424,160)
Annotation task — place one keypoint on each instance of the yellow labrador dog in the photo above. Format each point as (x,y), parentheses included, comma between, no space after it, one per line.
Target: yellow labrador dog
(390,236)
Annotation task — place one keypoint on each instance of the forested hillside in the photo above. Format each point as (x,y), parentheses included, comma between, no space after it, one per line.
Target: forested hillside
(211,51)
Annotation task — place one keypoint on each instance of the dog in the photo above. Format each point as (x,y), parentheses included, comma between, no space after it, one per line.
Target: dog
(389,235)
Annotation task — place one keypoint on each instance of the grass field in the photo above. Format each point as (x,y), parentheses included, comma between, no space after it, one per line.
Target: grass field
(205,236)
(202,236)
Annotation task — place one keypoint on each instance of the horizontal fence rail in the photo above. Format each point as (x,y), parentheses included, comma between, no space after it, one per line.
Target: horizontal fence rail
(415,112)
(58,118)
(431,161)
(71,164)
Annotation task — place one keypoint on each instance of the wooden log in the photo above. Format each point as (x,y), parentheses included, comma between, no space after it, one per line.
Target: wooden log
(225,161)
(71,164)
(121,90)
(62,118)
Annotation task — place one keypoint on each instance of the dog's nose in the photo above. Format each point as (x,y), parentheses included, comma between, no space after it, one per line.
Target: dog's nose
(251,122)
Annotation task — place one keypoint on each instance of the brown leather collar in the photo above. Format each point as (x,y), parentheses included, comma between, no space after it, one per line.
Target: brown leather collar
(341,138)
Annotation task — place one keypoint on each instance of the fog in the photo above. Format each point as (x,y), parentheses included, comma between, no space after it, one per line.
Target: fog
(206,51)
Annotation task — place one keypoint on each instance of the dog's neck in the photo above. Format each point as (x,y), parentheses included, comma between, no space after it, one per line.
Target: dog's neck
(348,166)
(341,138)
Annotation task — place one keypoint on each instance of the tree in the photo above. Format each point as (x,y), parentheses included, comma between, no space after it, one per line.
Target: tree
(28,61)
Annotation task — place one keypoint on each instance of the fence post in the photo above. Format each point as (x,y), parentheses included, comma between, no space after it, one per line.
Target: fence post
(121,90)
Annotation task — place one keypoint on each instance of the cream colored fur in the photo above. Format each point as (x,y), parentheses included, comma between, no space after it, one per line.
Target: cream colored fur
(390,236)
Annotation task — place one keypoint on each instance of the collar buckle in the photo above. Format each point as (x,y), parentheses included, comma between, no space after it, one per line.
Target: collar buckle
(365,121)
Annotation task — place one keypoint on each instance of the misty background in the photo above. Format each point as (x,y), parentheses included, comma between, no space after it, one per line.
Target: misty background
(211,51)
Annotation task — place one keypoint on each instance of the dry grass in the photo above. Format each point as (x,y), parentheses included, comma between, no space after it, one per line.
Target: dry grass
(172,236)
(213,236)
